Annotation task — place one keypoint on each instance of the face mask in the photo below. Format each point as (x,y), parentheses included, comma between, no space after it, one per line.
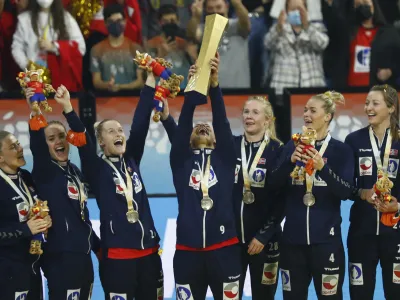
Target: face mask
(115,28)
(294,18)
(170,30)
(45,3)
(363,12)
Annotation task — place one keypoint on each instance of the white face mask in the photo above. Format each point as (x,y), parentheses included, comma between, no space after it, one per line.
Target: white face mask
(45,3)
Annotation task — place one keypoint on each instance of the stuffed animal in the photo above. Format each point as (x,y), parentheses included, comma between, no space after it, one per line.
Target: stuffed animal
(306,138)
(382,188)
(158,66)
(32,79)
(39,210)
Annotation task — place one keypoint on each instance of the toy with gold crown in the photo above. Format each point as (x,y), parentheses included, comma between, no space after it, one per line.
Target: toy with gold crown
(169,84)
(39,211)
(32,78)
(307,138)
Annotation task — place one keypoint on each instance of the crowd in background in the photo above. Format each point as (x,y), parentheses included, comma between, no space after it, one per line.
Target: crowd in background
(268,43)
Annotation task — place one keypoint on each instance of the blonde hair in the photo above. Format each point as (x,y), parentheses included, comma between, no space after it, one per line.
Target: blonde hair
(330,99)
(269,114)
(392,100)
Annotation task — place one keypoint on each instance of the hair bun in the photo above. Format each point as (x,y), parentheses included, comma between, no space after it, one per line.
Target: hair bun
(96,125)
(335,97)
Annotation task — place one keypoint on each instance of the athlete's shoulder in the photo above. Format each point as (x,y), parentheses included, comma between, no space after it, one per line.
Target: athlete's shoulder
(357,135)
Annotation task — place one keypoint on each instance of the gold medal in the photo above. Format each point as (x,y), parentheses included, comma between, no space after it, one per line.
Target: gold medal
(248,197)
(309,199)
(207,203)
(132,216)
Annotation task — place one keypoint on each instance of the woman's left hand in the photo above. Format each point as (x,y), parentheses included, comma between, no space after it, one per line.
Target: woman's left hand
(255,247)
(47,45)
(313,154)
(387,207)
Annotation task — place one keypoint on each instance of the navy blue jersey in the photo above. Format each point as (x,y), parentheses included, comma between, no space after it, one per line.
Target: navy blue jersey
(116,231)
(364,218)
(197,228)
(59,185)
(15,235)
(321,222)
(262,218)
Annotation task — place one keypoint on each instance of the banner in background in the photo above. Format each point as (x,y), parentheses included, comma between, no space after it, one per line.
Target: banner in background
(348,117)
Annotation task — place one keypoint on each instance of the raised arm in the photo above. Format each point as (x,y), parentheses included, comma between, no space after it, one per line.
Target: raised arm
(78,135)
(168,121)
(40,150)
(180,149)
(141,121)
(222,129)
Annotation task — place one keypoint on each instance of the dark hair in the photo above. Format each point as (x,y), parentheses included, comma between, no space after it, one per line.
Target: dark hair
(378,18)
(3,135)
(392,100)
(113,8)
(58,18)
(55,122)
(167,9)
(287,4)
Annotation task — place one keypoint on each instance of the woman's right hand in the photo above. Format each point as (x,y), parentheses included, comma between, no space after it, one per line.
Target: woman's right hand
(37,225)
(29,92)
(297,154)
(192,71)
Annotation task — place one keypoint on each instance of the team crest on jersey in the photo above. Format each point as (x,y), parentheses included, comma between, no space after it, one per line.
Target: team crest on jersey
(183,292)
(73,192)
(394,152)
(195,179)
(23,211)
(137,183)
(329,284)
(319,182)
(115,296)
(258,177)
(269,273)
(118,186)
(73,294)
(286,285)
(356,274)
(365,165)
(21,295)
(262,161)
(237,170)
(231,291)
(393,167)
(396,273)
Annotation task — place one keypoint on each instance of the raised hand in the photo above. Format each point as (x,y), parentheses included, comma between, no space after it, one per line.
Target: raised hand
(63,98)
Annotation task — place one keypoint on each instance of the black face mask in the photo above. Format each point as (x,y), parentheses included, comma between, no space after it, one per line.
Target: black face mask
(115,28)
(171,30)
(363,12)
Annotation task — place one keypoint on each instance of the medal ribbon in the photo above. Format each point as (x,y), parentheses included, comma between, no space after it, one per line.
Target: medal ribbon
(28,201)
(128,190)
(310,178)
(246,173)
(80,187)
(205,178)
(377,153)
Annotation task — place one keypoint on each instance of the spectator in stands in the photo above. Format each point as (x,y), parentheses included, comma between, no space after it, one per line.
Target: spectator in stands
(112,64)
(296,46)
(48,35)
(150,15)
(171,44)
(8,23)
(368,53)
(234,69)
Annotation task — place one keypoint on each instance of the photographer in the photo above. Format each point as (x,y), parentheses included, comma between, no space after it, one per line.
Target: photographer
(172,43)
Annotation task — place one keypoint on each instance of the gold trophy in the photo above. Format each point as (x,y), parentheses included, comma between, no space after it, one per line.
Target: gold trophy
(213,30)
